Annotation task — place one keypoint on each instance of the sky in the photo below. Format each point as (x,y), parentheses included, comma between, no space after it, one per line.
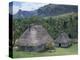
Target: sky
(26,6)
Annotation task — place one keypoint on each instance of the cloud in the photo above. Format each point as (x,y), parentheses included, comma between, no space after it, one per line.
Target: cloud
(27,6)
(31,6)
(15,9)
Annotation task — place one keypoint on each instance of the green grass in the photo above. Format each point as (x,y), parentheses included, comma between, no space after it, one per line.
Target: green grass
(59,51)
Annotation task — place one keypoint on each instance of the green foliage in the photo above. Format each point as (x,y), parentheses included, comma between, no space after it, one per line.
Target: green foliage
(49,45)
(67,23)
(54,25)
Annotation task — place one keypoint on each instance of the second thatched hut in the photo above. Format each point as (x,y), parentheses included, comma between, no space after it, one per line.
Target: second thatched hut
(63,40)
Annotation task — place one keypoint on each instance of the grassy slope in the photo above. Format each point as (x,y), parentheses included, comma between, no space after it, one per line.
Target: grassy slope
(59,51)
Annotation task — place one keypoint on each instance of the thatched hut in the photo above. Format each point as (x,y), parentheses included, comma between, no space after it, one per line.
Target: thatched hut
(63,40)
(35,39)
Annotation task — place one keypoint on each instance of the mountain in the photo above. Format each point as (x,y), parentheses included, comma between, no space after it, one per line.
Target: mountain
(23,14)
(47,10)
(52,10)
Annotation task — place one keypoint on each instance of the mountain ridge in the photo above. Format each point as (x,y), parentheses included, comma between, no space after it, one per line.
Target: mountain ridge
(47,10)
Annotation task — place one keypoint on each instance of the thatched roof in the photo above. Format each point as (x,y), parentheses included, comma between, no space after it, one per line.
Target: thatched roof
(63,38)
(35,37)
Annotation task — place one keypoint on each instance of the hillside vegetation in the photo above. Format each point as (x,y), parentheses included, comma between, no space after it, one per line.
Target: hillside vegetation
(54,25)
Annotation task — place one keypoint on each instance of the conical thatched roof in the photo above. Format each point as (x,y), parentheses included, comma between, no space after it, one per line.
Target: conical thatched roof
(35,37)
(62,38)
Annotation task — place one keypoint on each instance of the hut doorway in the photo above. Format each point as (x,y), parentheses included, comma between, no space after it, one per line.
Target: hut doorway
(59,44)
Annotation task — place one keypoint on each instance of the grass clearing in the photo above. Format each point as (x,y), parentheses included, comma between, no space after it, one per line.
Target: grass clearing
(59,51)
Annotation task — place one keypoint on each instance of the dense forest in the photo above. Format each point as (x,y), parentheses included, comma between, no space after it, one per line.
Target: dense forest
(53,24)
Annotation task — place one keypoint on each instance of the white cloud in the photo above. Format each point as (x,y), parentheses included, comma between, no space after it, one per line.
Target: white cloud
(27,6)
(31,6)
(15,9)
